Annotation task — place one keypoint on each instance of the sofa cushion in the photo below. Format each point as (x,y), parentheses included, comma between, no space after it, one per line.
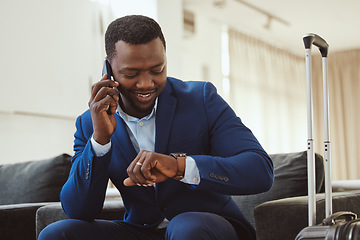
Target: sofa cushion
(290,180)
(34,181)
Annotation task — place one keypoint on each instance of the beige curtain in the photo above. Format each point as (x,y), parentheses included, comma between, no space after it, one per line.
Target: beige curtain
(268,92)
(344,98)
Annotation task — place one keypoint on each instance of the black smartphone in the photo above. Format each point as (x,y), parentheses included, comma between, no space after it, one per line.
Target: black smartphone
(107,69)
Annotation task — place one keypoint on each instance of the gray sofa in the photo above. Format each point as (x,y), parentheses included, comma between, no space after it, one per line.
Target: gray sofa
(25,187)
(277,214)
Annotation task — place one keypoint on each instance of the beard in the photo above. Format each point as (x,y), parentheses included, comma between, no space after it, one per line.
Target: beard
(133,107)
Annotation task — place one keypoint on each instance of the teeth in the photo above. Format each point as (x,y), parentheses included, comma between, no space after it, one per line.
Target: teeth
(144,95)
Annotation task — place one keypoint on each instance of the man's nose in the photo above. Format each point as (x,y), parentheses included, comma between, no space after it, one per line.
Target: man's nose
(145,81)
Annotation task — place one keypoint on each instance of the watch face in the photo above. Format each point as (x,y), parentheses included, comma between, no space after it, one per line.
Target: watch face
(176,155)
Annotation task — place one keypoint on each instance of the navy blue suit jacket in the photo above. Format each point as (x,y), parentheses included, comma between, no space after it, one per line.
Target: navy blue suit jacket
(192,118)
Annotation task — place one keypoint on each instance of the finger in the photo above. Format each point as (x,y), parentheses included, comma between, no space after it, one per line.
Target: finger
(127,182)
(103,105)
(105,76)
(106,92)
(130,170)
(105,98)
(148,163)
(136,169)
(103,83)
(148,169)
(112,108)
(133,163)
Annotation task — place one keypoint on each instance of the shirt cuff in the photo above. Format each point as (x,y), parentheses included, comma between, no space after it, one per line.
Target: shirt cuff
(100,150)
(192,175)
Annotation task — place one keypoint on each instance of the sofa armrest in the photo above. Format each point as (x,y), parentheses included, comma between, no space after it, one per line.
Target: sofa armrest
(113,210)
(285,218)
(345,185)
(17,221)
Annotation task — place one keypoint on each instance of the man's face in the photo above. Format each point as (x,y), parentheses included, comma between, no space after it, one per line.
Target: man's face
(141,73)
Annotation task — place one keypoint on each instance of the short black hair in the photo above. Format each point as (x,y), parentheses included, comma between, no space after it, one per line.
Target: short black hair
(132,29)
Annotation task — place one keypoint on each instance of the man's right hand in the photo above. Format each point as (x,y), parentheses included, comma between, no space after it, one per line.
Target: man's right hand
(103,96)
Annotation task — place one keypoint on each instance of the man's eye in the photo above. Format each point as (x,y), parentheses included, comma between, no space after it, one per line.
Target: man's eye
(158,72)
(130,75)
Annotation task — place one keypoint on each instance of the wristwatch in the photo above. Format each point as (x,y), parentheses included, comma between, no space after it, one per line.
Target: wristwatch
(180,161)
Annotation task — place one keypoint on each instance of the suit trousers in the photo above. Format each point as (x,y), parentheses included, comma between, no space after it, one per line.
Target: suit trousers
(185,226)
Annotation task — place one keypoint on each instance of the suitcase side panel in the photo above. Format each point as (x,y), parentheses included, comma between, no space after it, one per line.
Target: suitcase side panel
(350,230)
(313,233)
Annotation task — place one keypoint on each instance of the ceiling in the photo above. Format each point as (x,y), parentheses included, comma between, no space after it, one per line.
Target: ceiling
(334,20)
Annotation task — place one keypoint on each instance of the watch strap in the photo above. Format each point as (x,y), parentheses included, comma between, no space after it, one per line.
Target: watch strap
(180,163)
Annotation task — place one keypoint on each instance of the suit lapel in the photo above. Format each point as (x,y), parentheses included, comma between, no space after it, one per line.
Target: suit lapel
(164,118)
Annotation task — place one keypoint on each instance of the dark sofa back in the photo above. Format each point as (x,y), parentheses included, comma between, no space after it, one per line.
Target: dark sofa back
(34,181)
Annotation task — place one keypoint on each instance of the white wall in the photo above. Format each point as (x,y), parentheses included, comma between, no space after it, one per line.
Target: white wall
(47,54)
(28,137)
(52,52)
(201,56)
(170,17)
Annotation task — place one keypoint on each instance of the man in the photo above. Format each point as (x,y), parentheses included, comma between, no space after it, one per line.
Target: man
(175,150)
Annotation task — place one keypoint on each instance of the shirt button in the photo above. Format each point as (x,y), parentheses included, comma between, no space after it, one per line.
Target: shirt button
(141,124)
(195,179)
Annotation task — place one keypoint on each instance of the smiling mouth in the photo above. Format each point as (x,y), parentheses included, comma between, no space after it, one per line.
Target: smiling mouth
(144,95)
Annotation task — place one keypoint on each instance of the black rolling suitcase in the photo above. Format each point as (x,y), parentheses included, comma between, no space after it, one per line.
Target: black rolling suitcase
(340,225)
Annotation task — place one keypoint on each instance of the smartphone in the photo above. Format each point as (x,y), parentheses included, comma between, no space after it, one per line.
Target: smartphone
(107,70)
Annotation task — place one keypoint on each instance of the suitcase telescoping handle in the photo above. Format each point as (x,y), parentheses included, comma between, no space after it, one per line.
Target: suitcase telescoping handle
(309,40)
(318,41)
